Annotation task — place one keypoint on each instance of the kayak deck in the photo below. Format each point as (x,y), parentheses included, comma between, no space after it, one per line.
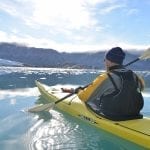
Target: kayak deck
(136,131)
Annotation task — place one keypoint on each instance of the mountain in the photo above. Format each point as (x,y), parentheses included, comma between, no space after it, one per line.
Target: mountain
(40,57)
(30,56)
(4,62)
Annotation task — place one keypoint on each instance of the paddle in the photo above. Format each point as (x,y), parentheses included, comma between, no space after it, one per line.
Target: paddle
(48,106)
(144,56)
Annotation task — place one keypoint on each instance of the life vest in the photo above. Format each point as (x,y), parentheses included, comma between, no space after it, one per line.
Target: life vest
(126,102)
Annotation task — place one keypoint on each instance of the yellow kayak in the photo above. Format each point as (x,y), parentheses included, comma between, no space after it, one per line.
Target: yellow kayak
(136,131)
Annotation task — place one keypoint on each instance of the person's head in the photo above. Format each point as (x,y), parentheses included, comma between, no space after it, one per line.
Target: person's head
(114,56)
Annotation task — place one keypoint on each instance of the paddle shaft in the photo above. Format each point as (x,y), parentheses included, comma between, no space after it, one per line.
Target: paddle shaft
(58,101)
(137,59)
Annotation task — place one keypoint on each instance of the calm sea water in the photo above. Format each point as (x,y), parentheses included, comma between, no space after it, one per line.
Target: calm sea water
(52,130)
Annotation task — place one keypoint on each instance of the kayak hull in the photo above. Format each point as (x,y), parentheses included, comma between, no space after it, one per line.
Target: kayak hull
(136,131)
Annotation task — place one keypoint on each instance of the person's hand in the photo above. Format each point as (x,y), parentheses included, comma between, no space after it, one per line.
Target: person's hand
(71,90)
(65,90)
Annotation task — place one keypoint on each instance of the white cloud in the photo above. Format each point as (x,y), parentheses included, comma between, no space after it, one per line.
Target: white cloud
(71,14)
(132,11)
(15,31)
(66,24)
(107,43)
(68,14)
(3,36)
(7,7)
(109,9)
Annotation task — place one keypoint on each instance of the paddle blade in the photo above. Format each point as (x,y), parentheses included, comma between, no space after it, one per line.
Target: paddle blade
(41,107)
(145,55)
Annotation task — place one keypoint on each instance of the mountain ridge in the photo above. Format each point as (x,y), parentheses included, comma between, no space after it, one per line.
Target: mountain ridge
(40,57)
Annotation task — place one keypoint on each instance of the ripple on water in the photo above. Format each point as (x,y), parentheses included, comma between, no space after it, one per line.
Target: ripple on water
(55,134)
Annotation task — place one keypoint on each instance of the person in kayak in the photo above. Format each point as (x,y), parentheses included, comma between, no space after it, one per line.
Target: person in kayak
(115,94)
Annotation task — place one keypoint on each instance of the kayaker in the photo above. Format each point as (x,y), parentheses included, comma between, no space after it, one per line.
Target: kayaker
(115,94)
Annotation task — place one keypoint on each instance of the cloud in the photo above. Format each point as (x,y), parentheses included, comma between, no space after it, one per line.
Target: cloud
(8,8)
(132,11)
(68,14)
(63,25)
(3,36)
(27,40)
(109,9)
(69,47)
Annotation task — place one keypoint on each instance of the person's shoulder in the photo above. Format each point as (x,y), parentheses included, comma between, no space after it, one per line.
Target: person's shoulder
(101,77)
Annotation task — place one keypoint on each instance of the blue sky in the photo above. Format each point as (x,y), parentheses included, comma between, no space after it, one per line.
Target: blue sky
(76,25)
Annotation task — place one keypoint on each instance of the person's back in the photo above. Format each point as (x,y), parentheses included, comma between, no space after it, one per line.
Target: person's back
(118,96)
(123,103)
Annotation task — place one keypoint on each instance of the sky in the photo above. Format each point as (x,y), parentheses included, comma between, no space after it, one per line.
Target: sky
(76,25)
